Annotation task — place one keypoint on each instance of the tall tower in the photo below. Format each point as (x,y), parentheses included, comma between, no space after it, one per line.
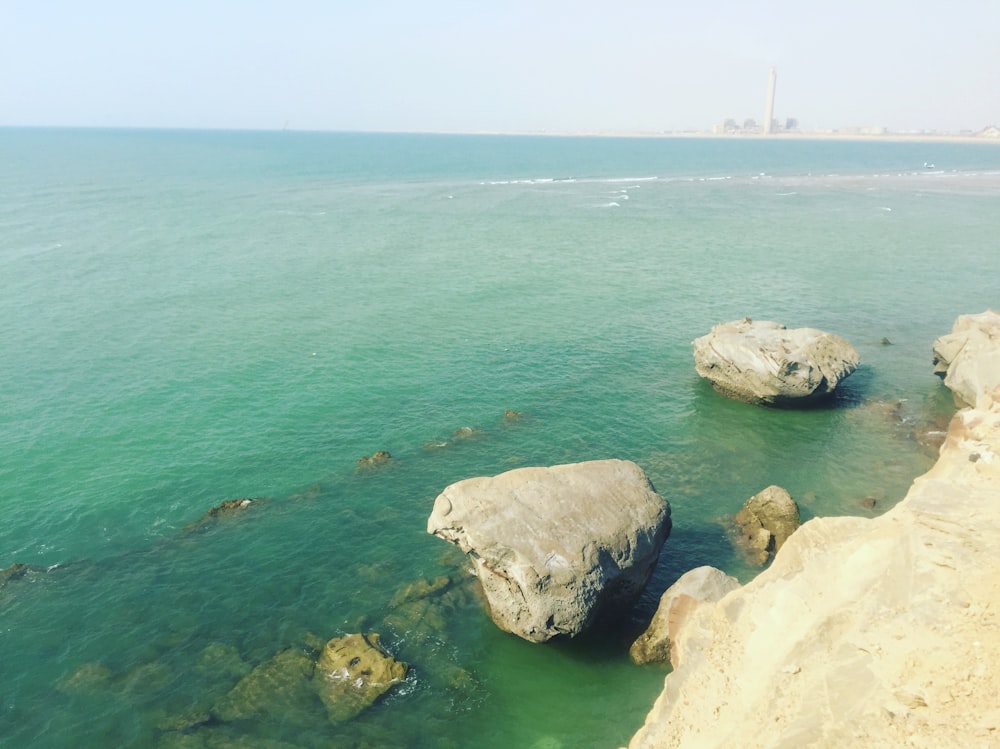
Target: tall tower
(769,109)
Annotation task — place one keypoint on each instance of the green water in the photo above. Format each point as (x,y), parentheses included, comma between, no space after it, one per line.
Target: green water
(195,317)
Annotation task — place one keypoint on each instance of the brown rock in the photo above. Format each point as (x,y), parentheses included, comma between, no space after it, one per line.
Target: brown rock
(766,520)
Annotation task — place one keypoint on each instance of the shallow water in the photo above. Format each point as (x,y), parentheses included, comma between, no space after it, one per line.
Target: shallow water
(194,317)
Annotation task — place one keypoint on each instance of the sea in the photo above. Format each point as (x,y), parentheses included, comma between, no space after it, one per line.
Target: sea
(192,317)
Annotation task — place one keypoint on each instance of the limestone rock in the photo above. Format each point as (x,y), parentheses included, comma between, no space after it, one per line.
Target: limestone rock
(765,522)
(878,632)
(692,589)
(556,548)
(765,363)
(968,358)
(353,672)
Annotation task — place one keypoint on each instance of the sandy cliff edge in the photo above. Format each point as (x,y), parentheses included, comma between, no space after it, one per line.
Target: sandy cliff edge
(873,633)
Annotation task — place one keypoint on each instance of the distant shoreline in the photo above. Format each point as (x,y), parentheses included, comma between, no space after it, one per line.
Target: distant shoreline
(803,135)
(787,136)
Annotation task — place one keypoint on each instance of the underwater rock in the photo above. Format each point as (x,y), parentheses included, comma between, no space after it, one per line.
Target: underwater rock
(373,461)
(766,520)
(557,548)
(279,687)
(222,661)
(229,508)
(353,672)
(693,588)
(765,363)
(87,678)
(15,572)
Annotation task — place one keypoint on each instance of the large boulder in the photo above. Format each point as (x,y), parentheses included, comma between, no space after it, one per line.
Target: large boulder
(968,358)
(556,548)
(765,363)
(692,589)
(765,521)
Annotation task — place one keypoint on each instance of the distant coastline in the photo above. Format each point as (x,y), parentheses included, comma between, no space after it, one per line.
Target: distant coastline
(903,137)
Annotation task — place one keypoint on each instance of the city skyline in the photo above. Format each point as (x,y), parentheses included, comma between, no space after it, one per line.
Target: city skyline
(448,66)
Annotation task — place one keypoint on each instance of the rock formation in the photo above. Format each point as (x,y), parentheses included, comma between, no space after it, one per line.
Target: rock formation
(352,673)
(766,520)
(693,588)
(767,364)
(968,358)
(877,632)
(556,548)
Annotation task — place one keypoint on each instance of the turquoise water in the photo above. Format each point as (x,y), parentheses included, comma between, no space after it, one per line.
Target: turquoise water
(193,317)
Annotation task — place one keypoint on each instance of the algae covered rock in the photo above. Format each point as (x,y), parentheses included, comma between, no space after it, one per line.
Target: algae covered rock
(353,672)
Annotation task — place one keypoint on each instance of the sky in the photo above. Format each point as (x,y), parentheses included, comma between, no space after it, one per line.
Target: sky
(512,66)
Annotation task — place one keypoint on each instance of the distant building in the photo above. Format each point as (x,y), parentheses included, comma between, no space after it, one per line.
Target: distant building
(772,80)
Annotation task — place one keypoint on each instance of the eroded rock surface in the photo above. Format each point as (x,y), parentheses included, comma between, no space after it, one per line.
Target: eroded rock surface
(692,589)
(765,363)
(879,632)
(556,548)
(968,358)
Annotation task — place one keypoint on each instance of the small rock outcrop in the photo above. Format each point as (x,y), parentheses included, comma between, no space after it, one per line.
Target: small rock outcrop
(765,363)
(556,548)
(968,358)
(351,674)
(766,520)
(375,460)
(692,589)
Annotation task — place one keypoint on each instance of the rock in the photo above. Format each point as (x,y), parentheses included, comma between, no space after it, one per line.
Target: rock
(765,522)
(878,632)
(372,461)
(15,572)
(692,589)
(765,363)
(86,679)
(968,358)
(353,672)
(556,548)
(279,687)
(229,508)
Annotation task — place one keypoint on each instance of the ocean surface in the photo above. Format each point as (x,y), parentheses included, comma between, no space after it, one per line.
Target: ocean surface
(194,317)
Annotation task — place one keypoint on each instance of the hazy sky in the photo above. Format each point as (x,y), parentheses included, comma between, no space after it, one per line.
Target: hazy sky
(519,65)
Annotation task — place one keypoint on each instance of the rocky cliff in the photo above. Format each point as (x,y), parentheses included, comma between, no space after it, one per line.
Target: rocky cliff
(863,633)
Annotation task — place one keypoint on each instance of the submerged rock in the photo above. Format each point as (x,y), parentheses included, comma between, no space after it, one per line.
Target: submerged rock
(281,687)
(86,679)
(765,363)
(766,520)
(693,588)
(229,508)
(353,672)
(556,548)
(373,461)
(15,572)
